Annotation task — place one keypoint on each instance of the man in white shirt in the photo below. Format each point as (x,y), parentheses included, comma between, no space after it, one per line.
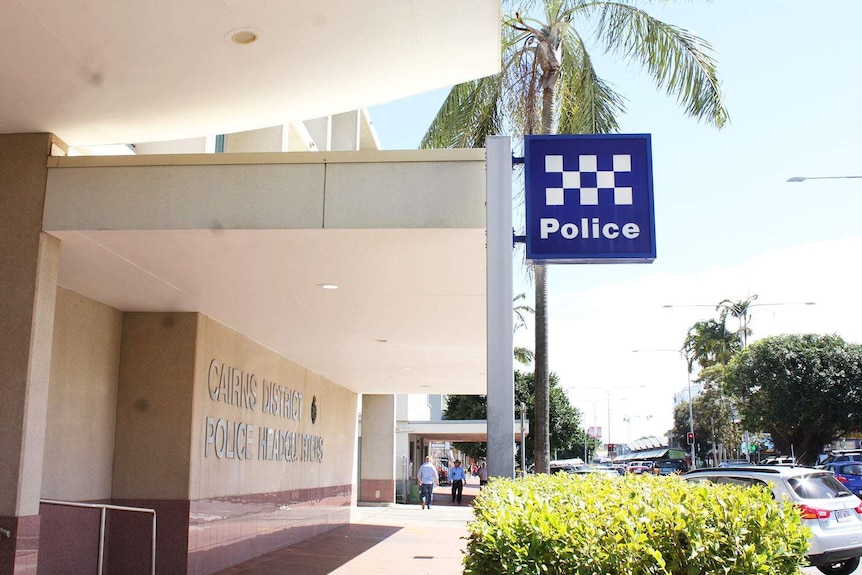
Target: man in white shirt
(427,478)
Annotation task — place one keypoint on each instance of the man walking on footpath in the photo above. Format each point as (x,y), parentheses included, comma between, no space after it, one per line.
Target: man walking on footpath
(457,476)
(427,478)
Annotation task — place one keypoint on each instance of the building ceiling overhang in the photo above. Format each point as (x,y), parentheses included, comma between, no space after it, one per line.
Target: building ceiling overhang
(249,240)
(108,72)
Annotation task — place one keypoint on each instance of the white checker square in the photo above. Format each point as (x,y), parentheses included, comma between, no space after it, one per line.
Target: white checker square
(605,179)
(589,196)
(622,163)
(554,197)
(588,163)
(622,196)
(571,180)
(553,164)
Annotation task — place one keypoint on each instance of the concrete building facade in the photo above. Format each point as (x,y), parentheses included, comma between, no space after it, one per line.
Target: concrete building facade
(180,386)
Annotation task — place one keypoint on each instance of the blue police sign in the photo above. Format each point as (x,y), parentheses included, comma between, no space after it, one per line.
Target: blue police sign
(589,198)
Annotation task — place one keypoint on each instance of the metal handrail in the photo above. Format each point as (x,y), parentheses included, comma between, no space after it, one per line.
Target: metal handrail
(104,507)
(5,533)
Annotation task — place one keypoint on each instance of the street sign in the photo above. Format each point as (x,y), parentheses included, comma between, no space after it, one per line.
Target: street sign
(589,199)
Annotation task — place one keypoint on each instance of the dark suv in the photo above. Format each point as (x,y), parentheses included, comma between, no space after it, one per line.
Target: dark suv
(669,467)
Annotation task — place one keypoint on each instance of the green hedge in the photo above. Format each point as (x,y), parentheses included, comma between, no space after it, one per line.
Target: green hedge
(591,524)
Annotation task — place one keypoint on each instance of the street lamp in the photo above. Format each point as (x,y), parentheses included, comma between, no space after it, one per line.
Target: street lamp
(687,359)
(803,178)
(587,434)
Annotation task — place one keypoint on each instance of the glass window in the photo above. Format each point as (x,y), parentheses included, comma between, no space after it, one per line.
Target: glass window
(851,469)
(817,486)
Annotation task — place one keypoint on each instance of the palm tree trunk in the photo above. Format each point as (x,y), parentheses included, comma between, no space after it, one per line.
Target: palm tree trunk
(542,391)
(542,437)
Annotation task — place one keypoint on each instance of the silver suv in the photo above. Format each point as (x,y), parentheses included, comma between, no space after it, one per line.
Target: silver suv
(829,510)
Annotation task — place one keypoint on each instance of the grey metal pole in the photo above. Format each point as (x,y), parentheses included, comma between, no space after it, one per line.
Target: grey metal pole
(691,420)
(501,369)
(523,442)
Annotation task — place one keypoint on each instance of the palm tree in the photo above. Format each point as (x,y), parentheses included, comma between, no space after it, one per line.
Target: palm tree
(523,355)
(709,343)
(548,83)
(738,310)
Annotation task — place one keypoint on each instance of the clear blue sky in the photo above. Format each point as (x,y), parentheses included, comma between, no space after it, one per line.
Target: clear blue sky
(728,223)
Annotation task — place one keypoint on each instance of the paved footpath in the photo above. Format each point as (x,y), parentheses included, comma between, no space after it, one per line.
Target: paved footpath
(402,539)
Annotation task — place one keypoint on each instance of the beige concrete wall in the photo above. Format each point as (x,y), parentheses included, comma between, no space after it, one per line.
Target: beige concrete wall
(154,406)
(28,275)
(220,470)
(378,437)
(176,440)
(82,400)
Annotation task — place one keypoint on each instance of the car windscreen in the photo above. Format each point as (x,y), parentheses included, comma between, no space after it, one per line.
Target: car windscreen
(817,486)
(849,469)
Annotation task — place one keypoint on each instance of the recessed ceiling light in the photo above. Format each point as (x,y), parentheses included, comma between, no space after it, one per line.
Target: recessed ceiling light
(327,286)
(243,36)
(382,340)
(407,368)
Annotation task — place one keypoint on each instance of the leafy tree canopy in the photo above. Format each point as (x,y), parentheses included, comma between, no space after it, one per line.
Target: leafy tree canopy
(712,415)
(567,438)
(804,390)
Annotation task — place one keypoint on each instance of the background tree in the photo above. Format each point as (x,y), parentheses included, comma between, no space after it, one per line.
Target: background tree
(713,419)
(709,343)
(804,390)
(548,80)
(739,311)
(521,309)
(566,435)
(567,439)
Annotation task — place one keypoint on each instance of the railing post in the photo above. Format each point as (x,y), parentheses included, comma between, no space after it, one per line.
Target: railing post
(102,542)
(104,509)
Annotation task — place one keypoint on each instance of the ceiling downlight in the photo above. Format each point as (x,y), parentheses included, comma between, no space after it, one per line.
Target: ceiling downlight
(243,36)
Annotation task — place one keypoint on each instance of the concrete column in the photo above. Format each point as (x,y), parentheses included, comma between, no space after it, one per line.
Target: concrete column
(345,131)
(377,465)
(501,372)
(29,261)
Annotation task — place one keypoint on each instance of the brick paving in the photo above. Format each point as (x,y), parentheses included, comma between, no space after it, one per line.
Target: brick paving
(402,539)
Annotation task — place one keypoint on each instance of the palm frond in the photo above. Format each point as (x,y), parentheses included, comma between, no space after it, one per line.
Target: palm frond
(680,62)
(524,355)
(469,114)
(588,105)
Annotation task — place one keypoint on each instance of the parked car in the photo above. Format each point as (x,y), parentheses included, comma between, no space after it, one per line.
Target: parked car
(849,473)
(779,460)
(669,466)
(585,469)
(734,463)
(842,457)
(830,511)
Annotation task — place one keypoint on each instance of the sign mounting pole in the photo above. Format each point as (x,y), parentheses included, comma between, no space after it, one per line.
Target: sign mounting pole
(500,369)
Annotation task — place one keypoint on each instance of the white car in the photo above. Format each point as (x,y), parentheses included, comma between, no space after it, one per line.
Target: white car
(829,510)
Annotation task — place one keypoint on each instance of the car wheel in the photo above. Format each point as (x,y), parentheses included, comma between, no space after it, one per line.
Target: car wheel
(840,568)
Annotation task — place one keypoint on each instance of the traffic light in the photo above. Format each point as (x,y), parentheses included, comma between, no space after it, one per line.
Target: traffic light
(689,437)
